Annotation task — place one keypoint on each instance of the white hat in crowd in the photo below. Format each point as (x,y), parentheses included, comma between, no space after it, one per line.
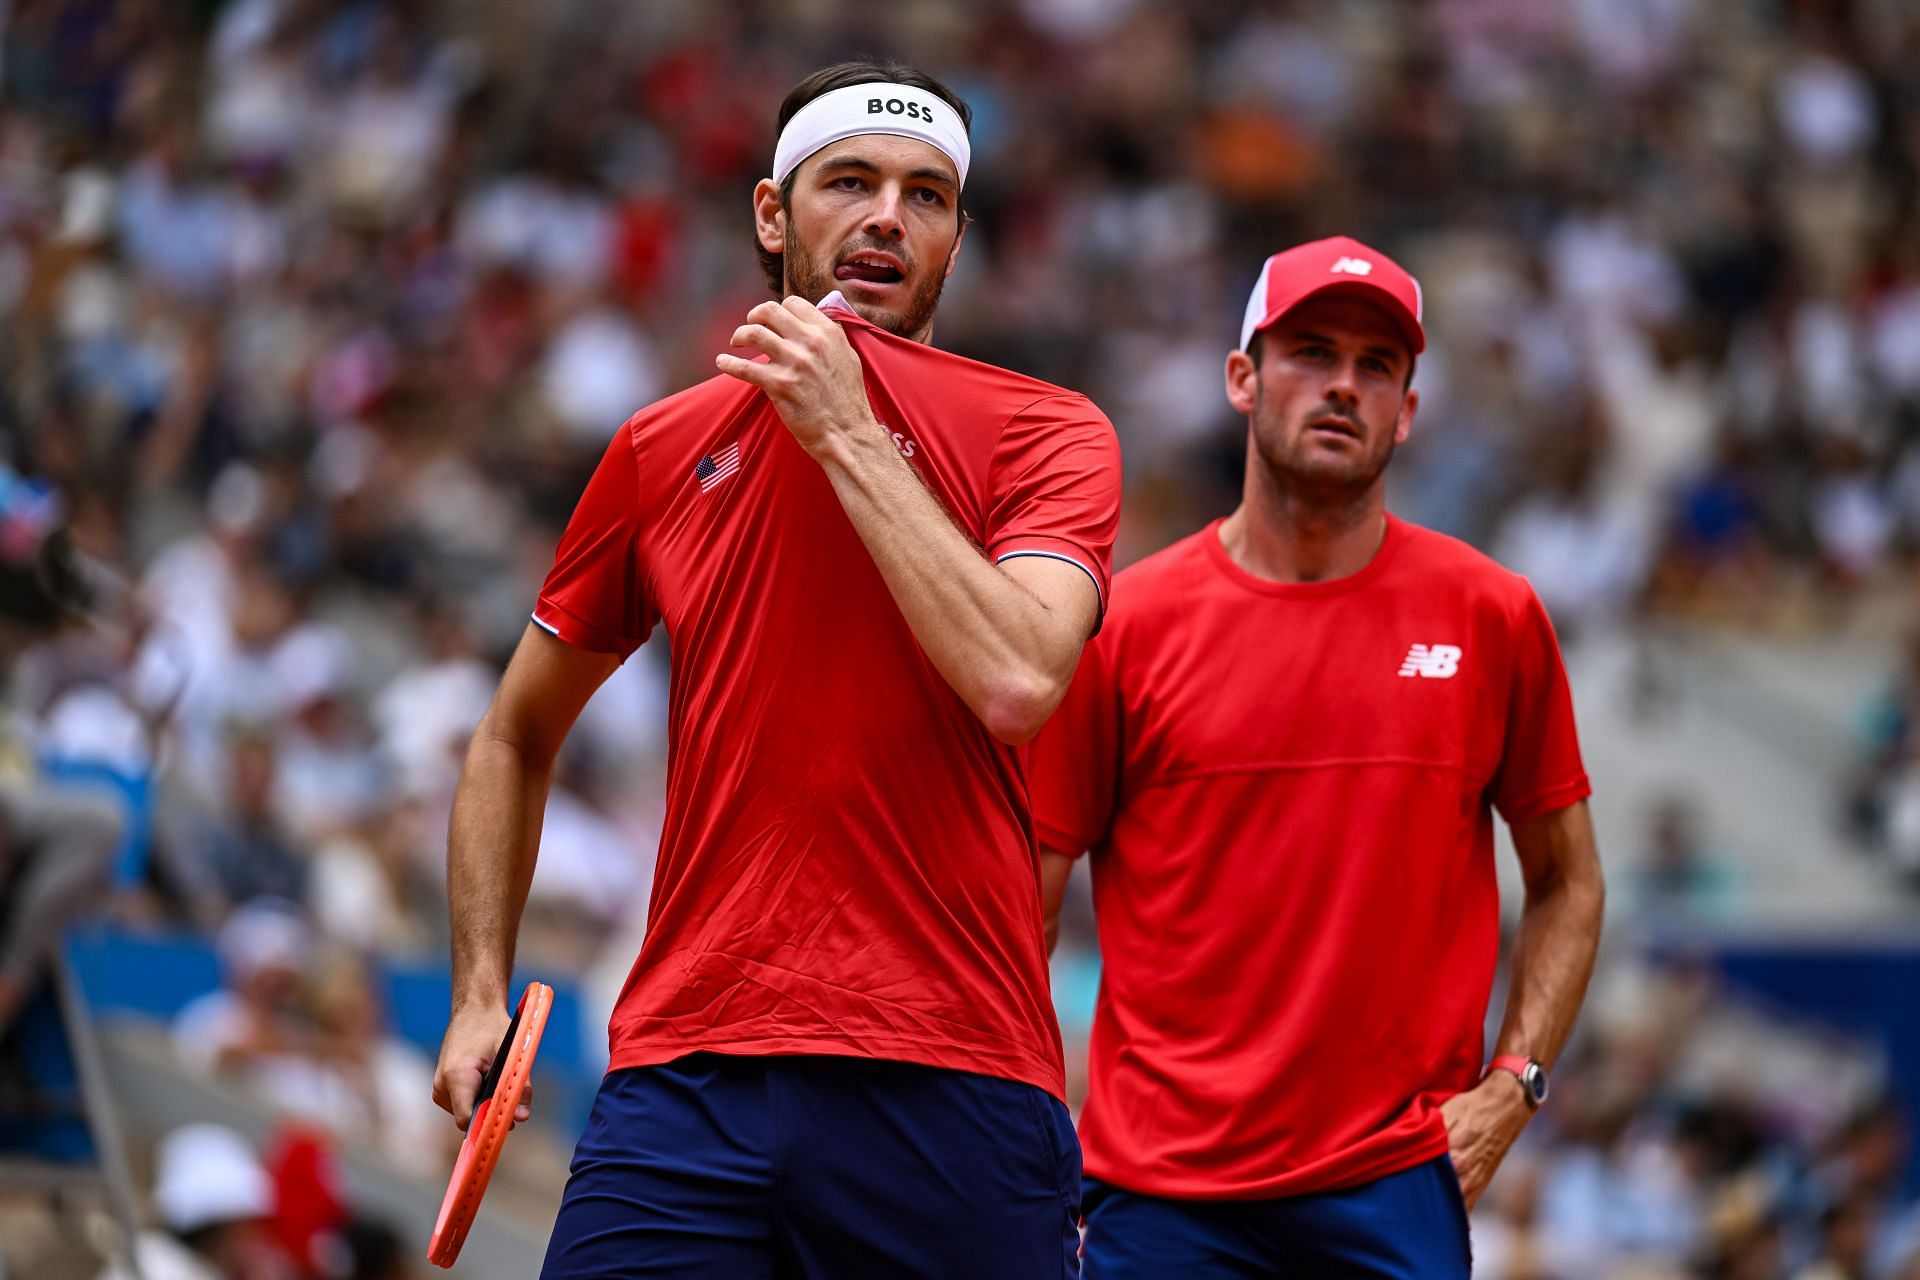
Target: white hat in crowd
(206,1174)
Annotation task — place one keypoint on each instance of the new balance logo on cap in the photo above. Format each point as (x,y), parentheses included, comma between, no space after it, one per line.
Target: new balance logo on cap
(1431,661)
(1337,264)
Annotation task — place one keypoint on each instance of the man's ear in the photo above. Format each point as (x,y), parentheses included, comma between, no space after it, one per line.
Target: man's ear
(769,218)
(1243,381)
(953,254)
(1403,425)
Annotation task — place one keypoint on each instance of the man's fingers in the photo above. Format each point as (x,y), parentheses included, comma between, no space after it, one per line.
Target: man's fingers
(780,318)
(450,1087)
(759,337)
(812,325)
(803,311)
(463,1104)
(758,374)
(1474,1170)
(463,1084)
(524,1112)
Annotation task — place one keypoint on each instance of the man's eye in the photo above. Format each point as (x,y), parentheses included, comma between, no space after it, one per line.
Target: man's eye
(847,183)
(927,195)
(1373,364)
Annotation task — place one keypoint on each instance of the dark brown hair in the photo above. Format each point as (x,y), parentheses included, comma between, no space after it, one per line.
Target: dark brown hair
(842,75)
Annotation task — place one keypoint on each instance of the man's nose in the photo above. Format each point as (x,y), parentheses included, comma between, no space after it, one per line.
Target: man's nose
(1341,391)
(884,218)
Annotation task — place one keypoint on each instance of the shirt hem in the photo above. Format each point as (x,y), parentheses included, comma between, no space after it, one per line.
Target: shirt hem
(1339,1175)
(1006,545)
(1053,839)
(1049,553)
(1552,800)
(568,627)
(1019,1068)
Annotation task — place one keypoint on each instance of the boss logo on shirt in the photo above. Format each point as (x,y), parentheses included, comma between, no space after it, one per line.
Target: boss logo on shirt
(900,441)
(896,107)
(1431,661)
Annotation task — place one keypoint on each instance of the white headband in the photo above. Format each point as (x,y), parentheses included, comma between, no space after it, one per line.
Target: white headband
(881,107)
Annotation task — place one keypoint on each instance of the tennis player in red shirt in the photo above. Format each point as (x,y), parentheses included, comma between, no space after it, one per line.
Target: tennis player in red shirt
(1284,751)
(877,562)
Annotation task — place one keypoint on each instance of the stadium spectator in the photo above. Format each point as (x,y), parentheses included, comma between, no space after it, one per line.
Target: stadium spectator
(214,1202)
(256,1030)
(227,859)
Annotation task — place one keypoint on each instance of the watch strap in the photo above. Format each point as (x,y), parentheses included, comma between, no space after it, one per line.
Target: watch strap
(1531,1075)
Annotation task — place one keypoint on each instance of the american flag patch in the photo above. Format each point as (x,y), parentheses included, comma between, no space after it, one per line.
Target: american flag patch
(715,467)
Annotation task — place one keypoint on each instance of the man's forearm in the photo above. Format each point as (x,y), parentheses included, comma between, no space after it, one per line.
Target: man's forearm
(996,644)
(492,842)
(1552,963)
(1005,641)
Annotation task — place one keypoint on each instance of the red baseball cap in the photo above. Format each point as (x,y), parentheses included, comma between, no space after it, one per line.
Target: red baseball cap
(1336,265)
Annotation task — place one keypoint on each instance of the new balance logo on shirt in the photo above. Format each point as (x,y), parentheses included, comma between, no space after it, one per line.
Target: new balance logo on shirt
(1353,267)
(1431,661)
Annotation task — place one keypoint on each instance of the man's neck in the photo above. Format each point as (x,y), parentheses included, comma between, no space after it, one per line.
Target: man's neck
(1287,536)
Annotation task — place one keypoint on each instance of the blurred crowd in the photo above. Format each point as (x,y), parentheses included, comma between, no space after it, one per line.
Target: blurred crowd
(224,1211)
(1699,1138)
(315,314)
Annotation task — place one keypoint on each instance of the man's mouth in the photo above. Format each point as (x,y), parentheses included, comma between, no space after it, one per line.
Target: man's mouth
(1335,426)
(871,268)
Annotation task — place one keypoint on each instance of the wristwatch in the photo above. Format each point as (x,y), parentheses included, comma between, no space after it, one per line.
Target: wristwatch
(1532,1076)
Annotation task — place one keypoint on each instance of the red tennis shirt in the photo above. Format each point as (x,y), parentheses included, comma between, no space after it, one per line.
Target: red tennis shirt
(1287,791)
(847,865)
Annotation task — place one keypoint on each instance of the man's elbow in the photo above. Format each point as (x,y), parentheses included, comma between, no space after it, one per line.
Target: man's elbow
(1594,890)
(1016,707)
(1578,883)
(502,732)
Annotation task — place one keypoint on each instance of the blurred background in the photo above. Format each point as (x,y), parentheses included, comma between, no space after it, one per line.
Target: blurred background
(315,315)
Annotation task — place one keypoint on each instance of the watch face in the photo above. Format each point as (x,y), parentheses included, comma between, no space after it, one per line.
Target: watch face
(1536,1082)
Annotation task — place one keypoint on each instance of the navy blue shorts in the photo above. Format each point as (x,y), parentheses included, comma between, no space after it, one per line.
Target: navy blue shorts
(1407,1226)
(778,1167)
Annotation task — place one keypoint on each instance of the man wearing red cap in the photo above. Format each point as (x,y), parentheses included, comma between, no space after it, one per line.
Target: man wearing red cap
(1284,751)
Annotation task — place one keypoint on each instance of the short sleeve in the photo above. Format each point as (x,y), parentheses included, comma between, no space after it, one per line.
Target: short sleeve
(1073,771)
(1054,488)
(595,596)
(1540,769)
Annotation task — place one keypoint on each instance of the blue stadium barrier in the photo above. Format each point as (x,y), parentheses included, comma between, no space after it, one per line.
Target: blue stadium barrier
(1863,990)
(39,1039)
(158,975)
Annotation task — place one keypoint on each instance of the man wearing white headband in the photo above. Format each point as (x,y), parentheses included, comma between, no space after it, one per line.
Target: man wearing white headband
(891,275)
(836,1053)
